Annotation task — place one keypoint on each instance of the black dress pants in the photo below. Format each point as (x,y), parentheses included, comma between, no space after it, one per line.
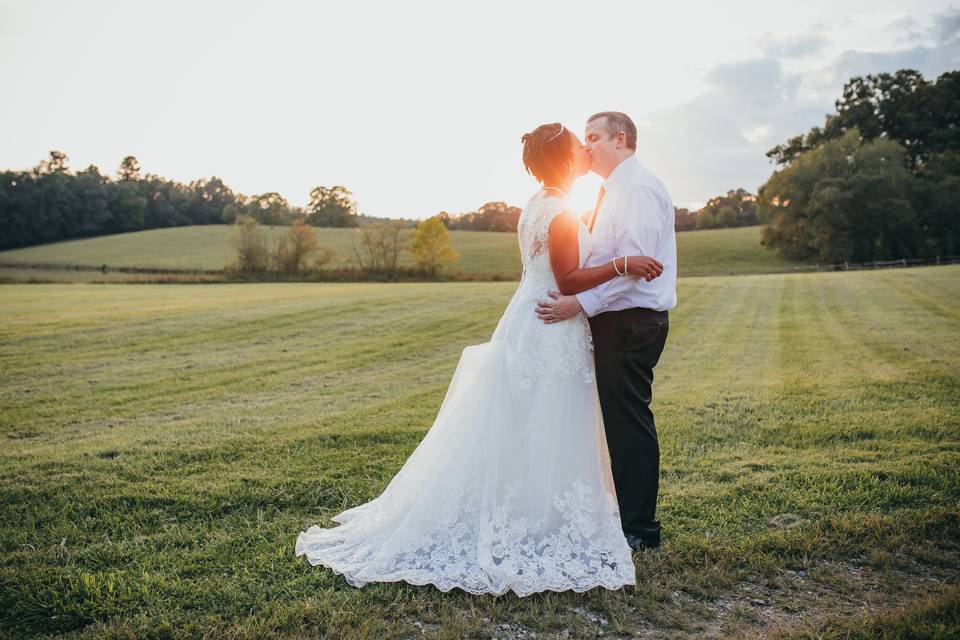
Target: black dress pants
(627,345)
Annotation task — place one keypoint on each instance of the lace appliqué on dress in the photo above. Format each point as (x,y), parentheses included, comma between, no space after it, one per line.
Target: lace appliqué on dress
(541,351)
(586,550)
(533,227)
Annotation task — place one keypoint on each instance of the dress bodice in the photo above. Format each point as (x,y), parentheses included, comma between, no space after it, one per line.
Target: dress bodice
(539,351)
(533,234)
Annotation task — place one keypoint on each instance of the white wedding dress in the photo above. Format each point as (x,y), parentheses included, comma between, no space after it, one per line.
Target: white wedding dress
(510,488)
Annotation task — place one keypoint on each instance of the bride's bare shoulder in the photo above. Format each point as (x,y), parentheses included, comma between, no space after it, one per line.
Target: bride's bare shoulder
(565,220)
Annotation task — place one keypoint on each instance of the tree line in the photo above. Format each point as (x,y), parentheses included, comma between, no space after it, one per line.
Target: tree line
(492,216)
(51,202)
(736,208)
(879,181)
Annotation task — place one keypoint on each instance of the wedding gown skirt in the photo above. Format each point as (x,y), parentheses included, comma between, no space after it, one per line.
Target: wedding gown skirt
(510,488)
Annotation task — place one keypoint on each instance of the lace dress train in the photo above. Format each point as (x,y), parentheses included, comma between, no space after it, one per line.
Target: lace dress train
(510,489)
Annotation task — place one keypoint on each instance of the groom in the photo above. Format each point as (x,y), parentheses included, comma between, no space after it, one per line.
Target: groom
(628,315)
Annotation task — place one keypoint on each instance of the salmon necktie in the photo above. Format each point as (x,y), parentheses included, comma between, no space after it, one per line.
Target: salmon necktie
(596,207)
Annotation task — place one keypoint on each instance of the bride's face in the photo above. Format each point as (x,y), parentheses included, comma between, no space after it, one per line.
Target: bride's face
(581,156)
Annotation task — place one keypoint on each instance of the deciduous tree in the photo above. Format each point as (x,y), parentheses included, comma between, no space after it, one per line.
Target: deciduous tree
(431,245)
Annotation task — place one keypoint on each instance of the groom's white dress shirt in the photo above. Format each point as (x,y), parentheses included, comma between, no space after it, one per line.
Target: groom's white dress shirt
(635,217)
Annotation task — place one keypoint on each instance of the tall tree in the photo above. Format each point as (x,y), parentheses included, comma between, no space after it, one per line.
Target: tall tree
(129,169)
(250,242)
(924,117)
(736,208)
(17,201)
(269,208)
(128,206)
(167,203)
(331,207)
(208,198)
(431,245)
(92,204)
(55,163)
(295,247)
(938,198)
(848,199)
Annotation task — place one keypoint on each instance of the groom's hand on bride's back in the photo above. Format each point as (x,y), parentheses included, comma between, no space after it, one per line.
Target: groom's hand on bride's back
(558,308)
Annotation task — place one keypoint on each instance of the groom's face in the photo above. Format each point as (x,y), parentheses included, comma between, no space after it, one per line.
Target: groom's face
(602,147)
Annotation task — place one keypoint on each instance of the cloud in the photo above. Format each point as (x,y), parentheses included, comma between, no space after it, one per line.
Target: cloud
(931,62)
(946,27)
(943,28)
(746,76)
(811,43)
(938,53)
(908,30)
(718,140)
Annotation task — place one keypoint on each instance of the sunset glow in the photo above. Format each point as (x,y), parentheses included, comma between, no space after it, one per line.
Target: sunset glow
(419,109)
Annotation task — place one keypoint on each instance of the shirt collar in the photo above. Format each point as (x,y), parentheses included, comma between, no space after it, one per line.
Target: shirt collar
(620,171)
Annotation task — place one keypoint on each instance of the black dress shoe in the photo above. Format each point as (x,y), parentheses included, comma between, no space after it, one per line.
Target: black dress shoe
(639,544)
(646,537)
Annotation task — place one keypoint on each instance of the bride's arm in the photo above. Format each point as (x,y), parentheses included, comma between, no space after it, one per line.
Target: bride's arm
(565,260)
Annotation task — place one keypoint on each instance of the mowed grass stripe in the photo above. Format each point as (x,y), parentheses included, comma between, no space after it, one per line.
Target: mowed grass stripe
(178,509)
(143,392)
(880,331)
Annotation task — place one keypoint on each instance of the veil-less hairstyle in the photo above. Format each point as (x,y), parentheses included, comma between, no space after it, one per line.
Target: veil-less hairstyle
(546,153)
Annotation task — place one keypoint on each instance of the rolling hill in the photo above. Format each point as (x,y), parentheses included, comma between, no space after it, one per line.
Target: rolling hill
(713,252)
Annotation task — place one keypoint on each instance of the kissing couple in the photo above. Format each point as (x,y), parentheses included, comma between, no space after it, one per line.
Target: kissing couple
(541,469)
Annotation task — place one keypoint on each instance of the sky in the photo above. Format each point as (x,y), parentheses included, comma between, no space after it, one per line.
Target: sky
(418,107)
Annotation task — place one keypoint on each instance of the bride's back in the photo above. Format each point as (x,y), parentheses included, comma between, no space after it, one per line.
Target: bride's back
(534,224)
(533,234)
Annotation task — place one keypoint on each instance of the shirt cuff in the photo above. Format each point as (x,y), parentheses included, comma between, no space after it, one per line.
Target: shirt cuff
(590,302)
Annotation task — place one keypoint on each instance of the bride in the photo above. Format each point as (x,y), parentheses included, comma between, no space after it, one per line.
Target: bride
(511,487)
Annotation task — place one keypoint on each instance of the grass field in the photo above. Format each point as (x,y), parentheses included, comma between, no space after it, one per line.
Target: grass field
(713,252)
(163,447)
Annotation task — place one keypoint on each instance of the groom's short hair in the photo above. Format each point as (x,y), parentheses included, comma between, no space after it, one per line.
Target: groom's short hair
(616,122)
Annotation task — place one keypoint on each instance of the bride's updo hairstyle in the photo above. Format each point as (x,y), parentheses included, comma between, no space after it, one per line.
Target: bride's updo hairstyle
(546,153)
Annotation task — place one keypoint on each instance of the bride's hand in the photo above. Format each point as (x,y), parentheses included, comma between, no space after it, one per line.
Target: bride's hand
(644,266)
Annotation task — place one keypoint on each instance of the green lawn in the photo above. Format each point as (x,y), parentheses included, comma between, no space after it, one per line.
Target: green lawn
(713,252)
(164,445)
